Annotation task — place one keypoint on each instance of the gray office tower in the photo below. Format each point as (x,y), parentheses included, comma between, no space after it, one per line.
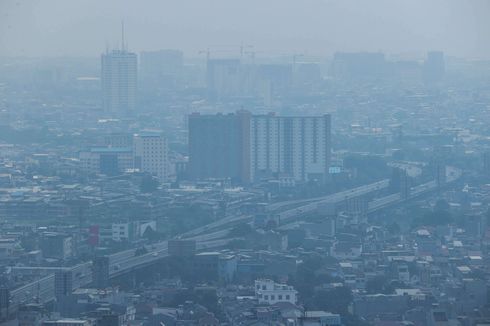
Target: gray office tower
(248,148)
(119,76)
(218,146)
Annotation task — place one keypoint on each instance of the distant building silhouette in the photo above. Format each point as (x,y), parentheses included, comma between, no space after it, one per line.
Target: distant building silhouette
(161,68)
(223,78)
(119,76)
(217,146)
(359,65)
(434,67)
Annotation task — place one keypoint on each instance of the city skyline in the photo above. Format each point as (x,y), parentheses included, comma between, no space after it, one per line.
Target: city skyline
(244,163)
(398,27)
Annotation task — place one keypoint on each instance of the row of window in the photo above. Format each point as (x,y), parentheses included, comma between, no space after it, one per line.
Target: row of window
(273,297)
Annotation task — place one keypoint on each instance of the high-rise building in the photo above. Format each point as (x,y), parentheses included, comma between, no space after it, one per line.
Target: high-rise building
(218,146)
(161,68)
(150,150)
(247,147)
(63,283)
(4,302)
(278,76)
(101,272)
(298,147)
(119,76)
(223,77)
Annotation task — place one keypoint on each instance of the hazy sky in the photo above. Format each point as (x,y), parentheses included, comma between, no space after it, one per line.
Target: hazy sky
(83,27)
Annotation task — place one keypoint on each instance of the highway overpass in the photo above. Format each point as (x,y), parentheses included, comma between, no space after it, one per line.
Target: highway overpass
(210,237)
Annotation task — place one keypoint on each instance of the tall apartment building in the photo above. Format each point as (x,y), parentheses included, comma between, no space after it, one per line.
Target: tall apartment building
(223,77)
(119,76)
(218,146)
(150,151)
(247,147)
(298,147)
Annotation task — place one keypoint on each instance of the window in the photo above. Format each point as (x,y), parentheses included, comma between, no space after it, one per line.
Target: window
(273,297)
(263,287)
(279,297)
(266,297)
(288,297)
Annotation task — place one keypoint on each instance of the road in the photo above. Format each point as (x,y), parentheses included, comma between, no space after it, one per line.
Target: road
(212,236)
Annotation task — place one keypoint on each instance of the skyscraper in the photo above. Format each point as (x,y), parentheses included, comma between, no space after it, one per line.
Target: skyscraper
(223,77)
(150,152)
(218,146)
(119,75)
(298,147)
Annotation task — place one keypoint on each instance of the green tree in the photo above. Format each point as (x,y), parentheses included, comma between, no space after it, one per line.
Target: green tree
(336,300)
(379,284)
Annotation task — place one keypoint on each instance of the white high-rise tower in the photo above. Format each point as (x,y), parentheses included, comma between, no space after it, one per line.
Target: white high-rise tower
(119,77)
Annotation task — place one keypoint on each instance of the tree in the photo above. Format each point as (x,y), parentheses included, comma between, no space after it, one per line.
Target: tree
(379,284)
(336,300)
(152,235)
(433,218)
(305,280)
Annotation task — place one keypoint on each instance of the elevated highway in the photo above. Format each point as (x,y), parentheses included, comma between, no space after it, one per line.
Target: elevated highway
(213,236)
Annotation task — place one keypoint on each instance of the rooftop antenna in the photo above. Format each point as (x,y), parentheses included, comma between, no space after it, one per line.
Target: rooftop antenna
(122,36)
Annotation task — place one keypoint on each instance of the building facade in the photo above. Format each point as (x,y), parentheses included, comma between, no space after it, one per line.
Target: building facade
(218,146)
(106,160)
(298,147)
(247,148)
(269,292)
(150,150)
(119,81)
